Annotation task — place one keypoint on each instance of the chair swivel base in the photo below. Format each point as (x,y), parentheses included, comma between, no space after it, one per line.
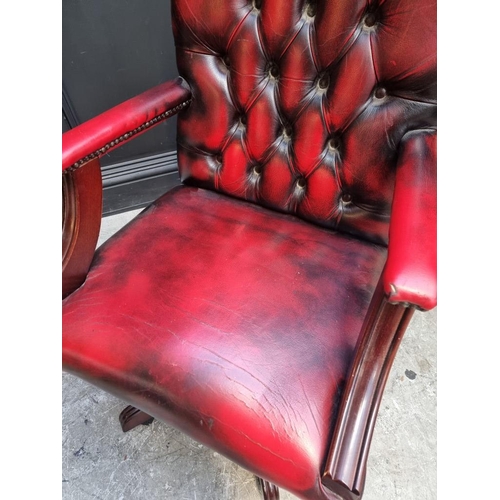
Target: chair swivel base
(131,417)
(269,490)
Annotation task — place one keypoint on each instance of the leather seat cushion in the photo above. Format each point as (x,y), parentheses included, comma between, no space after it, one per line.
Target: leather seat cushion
(231,322)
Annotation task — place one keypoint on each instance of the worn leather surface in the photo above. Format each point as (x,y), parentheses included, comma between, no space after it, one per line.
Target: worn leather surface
(234,323)
(111,125)
(302,105)
(410,275)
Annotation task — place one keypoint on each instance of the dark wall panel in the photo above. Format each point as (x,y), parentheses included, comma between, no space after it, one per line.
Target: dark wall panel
(111,51)
(65,124)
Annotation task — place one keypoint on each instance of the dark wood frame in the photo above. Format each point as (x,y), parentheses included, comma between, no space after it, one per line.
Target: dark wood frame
(381,335)
(82,212)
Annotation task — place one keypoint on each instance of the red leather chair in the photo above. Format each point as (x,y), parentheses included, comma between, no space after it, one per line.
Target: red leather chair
(259,306)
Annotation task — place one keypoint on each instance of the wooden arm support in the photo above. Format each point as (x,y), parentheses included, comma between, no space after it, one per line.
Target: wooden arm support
(383,329)
(82,184)
(82,212)
(407,282)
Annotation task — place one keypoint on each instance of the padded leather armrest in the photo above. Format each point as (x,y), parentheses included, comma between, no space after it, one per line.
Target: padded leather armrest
(123,122)
(410,275)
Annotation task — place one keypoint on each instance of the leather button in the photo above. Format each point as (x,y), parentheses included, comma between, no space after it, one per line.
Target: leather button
(243,120)
(334,143)
(287,131)
(301,183)
(273,69)
(380,93)
(226,61)
(311,9)
(324,81)
(257,170)
(346,198)
(218,158)
(370,20)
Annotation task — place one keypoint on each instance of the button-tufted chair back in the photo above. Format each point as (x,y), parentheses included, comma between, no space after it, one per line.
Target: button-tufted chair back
(302,106)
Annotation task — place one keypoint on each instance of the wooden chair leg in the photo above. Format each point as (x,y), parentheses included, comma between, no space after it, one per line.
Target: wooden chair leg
(131,417)
(269,490)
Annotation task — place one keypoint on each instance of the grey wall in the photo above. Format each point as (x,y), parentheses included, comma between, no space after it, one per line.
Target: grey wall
(113,50)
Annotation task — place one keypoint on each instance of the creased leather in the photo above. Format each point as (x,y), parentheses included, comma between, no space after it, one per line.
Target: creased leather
(237,324)
(234,323)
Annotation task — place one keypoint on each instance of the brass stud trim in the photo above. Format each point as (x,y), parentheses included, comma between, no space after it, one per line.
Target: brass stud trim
(115,142)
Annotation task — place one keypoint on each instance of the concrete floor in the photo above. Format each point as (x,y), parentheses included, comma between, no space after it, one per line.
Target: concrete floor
(157,462)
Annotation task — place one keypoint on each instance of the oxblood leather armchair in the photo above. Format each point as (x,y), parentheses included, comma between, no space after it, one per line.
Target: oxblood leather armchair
(259,306)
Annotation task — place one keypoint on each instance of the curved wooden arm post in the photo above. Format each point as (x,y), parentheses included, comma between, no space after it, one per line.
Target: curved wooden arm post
(82,212)
(82,183)
(383,329)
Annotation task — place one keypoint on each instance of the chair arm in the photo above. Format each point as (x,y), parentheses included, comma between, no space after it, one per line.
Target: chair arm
(125,121)
(410,274)
(344,472)
(82,185)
